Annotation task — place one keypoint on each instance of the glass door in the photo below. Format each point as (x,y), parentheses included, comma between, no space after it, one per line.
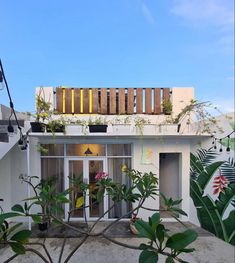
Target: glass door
(84,170)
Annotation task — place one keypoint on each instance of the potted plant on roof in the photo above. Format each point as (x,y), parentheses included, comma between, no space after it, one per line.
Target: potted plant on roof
(167,107)
(76,126)
(56,125)
(42,114)
(97,125)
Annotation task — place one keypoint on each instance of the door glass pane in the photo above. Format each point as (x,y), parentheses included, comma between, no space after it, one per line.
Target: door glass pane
(76,196)
(96,209)
(115,172)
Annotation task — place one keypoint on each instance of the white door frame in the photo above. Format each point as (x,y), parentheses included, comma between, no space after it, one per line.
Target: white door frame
(86,177)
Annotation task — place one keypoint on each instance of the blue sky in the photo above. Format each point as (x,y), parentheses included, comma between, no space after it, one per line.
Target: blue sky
(118,43)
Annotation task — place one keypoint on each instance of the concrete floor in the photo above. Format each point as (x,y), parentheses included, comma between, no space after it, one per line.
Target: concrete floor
(209,249)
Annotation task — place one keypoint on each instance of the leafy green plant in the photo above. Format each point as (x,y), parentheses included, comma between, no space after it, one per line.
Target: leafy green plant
(140,122)
(144,185)
(46,197)
(167,106)
(57,125)
(160,240)
(211,213)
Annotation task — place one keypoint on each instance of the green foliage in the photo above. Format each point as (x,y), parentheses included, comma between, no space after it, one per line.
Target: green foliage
(159,240)
(167,106)
(10,234)
(210,213)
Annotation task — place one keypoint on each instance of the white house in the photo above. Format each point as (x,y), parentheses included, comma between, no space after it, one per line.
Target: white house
(138,135)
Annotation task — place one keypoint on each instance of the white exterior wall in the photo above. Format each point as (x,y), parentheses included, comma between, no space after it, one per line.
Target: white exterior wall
(12,165)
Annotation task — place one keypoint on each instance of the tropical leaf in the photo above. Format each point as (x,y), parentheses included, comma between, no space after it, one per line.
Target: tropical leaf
(180,241)
(224,199)
(148,256)
(206,157)
(228,170)
(229,225)
(145,230)
(207,211)
(205,176)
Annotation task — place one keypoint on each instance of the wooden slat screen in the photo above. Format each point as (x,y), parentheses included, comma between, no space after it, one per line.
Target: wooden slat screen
(130,101)
(86,101)
(68,100)
(112,101)
(59,100)
(77,101)
(103,101)
(157,101)
(148,101)
(121,100)
(139,100)
(94,101)
(166,94)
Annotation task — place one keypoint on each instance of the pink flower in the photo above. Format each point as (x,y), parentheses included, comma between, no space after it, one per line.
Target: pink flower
(220,182)
(101,175)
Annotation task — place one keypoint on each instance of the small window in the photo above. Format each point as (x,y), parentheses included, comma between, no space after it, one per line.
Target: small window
(85,150)
(52,149)
(119,150)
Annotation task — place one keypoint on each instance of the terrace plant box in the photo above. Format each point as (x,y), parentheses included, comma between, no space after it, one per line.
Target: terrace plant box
(97,128)
(168,128)
(37,126)
(74,129)
(121,129)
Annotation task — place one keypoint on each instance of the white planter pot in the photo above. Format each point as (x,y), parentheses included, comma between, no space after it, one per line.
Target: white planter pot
(168,128)
(121,129)
(75,129)
(147,129)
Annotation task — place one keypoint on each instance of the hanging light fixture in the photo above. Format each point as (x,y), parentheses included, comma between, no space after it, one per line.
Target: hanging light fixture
(10,128)
(88,151)
(228,145)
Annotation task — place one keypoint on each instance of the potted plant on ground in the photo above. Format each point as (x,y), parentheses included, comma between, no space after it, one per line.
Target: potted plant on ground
(47,198)
(97,125)
(42,113)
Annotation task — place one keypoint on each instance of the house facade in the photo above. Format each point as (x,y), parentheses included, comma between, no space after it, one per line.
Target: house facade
(139,134)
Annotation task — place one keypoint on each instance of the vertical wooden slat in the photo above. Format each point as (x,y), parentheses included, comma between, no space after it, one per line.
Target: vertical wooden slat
(148,100)
(121,101)
(130,101)
(112,101)
(59,100)
(95,101)
(157,101)
(103,101)
(139,100)
(86,101)
(76,100)
(68,100)
(166,94)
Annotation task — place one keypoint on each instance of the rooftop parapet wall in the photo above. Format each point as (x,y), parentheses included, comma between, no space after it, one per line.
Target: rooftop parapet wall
(115,101)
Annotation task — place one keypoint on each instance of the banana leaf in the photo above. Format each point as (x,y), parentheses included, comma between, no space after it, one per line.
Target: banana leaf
(229,225)
(225,198)
(205,176)
(207,211)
